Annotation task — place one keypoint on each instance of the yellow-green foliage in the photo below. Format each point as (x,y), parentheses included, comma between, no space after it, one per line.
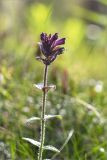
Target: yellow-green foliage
(78,72)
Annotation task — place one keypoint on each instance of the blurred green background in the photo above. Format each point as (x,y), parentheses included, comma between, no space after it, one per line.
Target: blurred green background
(80,75)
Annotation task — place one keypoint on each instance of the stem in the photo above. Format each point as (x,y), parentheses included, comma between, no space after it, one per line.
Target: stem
(42,136)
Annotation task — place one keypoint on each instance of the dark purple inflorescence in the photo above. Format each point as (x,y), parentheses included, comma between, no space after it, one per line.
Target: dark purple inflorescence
(50,47)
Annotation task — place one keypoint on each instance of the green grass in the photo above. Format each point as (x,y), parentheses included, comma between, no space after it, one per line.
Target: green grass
(83,63)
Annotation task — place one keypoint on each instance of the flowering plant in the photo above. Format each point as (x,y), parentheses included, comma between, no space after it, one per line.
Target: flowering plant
(50,47)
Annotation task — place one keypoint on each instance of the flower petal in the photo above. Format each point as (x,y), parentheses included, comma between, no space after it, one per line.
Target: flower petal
(44,48)
(43,36)
(60,42)
(59,51)
(53,38)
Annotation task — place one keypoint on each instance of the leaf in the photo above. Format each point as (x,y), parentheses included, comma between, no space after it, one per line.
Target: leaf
(36,143)
(51,148)
(64,144)
(51,87)
(70,134)
(32,119)
(53,116)
(39,86)
(46,88)
(67,139)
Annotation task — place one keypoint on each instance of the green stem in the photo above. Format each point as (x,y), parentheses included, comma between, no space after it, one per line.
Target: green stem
(42,136)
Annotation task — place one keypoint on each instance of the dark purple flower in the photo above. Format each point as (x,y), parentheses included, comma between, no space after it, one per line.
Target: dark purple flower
(50,47)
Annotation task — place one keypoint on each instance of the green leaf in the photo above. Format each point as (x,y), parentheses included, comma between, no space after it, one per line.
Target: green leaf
(51,148)
(53,116)
(67,139)
(32,119)
(36,143)
(64,144)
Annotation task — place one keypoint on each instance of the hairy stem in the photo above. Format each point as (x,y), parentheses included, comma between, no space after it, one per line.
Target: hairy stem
(42,138)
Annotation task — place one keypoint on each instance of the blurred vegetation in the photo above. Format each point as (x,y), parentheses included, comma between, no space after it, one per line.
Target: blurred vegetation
(80,72)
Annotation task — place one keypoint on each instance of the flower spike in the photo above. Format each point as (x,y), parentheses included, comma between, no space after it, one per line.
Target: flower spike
(50,47)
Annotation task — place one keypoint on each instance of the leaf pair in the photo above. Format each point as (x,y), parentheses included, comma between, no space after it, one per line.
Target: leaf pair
(49,147)
(46,118)
(36,143)
(46,89)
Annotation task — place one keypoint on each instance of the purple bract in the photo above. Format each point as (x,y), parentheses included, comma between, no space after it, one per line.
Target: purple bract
(50,47)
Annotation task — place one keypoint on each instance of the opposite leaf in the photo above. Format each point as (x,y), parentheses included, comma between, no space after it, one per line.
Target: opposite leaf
(51,148)
(47,88)
(36,143)
(32,119)
(53,116)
